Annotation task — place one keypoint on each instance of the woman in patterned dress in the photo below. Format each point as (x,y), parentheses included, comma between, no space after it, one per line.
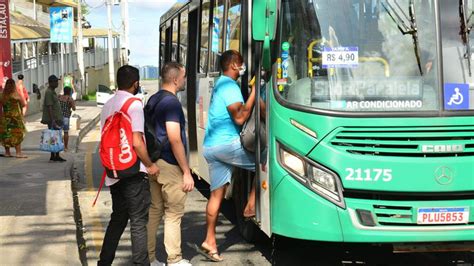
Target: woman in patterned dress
(12,130)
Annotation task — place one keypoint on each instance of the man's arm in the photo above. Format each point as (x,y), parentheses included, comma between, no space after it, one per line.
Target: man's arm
(173,130)
(241,112)
(140,148)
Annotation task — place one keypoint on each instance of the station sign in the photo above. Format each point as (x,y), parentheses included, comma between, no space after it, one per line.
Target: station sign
(5,52)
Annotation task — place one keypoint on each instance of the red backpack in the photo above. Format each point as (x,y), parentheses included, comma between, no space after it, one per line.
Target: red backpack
(116,152)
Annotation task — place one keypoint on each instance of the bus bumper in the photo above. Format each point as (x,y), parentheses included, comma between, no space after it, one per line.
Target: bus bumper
(300,213)
(402,228)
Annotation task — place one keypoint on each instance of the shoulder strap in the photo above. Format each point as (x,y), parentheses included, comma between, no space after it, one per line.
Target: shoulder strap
(127,104)
(151,110)
(100,187)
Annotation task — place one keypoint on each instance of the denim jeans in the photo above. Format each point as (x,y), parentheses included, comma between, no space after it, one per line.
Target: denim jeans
(130,200)
(222,159)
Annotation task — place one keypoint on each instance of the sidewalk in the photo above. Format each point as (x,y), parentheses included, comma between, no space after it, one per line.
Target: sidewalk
(36,212)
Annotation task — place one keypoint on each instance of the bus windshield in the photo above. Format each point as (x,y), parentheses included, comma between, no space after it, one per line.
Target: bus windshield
(359,55)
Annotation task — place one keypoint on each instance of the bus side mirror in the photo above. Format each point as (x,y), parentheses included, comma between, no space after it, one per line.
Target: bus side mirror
(264,14)
(264,17)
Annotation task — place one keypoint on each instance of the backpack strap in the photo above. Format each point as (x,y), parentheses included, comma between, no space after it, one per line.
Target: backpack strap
(127,104)
(100,187)
(149,111)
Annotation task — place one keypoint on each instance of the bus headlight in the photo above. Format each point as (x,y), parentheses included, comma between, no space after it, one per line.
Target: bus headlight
(312,175)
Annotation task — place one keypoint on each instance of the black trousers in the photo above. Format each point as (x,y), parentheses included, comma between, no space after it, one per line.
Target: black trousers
(130,200)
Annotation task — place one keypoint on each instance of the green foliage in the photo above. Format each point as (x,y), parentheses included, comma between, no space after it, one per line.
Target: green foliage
(84,9)
(89,97)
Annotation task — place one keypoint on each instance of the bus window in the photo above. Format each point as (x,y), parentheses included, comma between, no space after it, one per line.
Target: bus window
(206,4)
(233,26)
(353,56)
(183,37)
(175,40)
(217,34)
(162,46)
(458,71)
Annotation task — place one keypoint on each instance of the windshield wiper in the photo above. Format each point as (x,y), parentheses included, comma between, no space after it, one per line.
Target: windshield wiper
(465,32)
(406,25)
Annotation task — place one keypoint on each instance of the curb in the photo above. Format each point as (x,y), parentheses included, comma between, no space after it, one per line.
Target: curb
(84,131)
(81,242)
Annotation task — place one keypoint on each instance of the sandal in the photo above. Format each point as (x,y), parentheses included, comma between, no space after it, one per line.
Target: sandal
(209,254)
(21,156)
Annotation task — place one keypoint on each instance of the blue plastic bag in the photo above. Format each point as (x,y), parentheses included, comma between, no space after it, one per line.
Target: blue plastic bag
(51,140)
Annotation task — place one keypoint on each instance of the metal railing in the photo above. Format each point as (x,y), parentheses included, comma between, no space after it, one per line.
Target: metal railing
(38,69)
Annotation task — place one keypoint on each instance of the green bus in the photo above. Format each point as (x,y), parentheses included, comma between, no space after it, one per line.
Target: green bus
(369,112)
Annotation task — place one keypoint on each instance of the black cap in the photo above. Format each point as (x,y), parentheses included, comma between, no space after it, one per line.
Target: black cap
(53,78)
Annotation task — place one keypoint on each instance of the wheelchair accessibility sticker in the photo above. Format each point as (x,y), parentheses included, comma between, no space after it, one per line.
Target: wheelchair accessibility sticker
(456,96)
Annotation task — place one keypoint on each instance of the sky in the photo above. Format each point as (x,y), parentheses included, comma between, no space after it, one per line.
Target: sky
(144,19)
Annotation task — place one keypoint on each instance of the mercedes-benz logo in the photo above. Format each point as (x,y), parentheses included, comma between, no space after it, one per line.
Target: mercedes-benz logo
(444,175)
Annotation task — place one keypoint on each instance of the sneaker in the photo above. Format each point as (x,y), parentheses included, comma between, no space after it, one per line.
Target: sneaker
(59,159)
(181,262)
(157,263)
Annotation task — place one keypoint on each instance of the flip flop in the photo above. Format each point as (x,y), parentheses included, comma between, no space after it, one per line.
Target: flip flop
(9,156)
(21,156)
(210,255)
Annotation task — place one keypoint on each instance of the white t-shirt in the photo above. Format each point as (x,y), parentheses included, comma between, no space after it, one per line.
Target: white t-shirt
(135,111)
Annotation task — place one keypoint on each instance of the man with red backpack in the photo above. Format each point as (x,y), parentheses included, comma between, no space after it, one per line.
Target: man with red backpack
(124,156)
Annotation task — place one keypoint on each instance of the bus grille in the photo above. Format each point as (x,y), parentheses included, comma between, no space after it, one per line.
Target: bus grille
(407,142)
(393,215)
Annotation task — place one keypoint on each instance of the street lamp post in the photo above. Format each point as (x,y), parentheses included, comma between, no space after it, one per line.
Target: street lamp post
(80,49)
(110,46)
(126,43)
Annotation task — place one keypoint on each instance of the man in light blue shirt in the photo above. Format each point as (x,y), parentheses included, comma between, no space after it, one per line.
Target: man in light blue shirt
(222,148)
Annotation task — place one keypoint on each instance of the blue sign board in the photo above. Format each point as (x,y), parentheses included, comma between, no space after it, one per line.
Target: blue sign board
(61,22)
(215,35)
(227,44)
(456,96)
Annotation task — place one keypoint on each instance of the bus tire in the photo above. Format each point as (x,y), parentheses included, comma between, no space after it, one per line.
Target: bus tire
(247,228)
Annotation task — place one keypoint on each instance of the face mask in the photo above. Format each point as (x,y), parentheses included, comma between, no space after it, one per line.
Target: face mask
(242,70)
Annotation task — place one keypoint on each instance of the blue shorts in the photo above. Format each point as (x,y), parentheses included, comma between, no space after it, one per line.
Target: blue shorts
(223,158)
(66,124)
